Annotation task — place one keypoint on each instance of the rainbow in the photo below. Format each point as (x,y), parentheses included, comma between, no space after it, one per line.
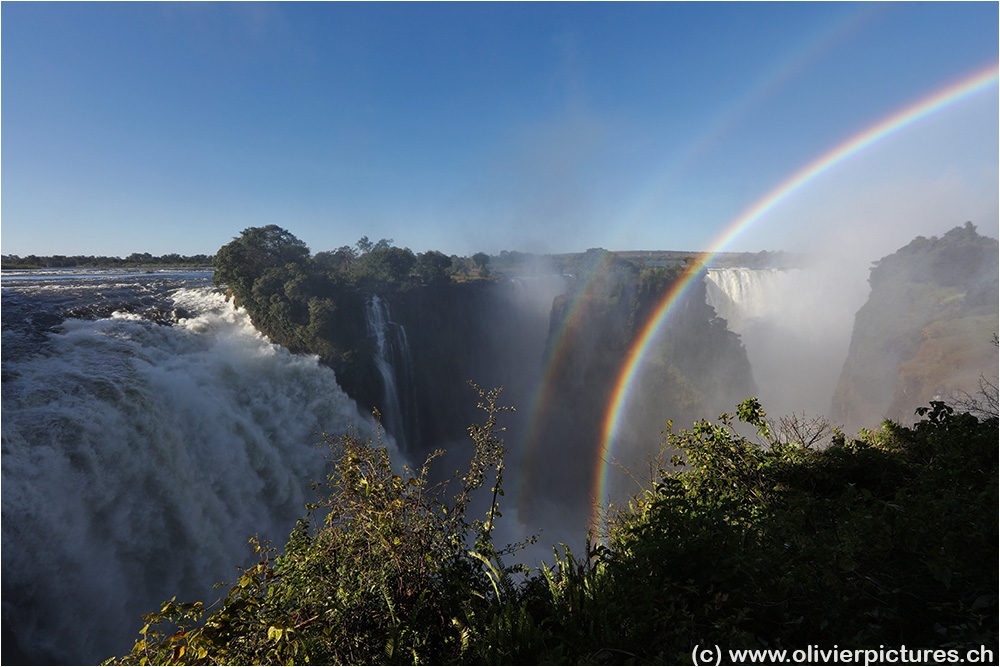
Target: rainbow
(791,66)
(811,48)
(556,357)
(951,94)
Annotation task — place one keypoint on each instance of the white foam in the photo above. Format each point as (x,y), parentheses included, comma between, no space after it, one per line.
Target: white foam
(139,458)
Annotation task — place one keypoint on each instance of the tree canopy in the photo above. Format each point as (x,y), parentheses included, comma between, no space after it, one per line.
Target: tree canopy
(316,304)
(253,252)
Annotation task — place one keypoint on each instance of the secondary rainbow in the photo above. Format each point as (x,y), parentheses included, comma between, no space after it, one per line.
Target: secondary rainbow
(555,358)
(953,93)
(790,66)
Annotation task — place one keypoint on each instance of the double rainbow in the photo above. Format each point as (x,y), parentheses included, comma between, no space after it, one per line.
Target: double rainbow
(951,94)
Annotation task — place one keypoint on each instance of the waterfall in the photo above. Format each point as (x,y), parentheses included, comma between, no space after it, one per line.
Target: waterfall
(533,295)
(395,366)
(795,325)
(138,458)
(740,296)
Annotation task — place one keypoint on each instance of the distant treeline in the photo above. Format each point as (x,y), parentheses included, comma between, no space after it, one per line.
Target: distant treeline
(765,259)
(135,259)
(470,266)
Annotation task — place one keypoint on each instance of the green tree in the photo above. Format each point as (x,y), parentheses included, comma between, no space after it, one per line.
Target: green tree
(388,266)
(341,259)
(383,244)
(774,543)
(257,249)
(482,262)
(433,267)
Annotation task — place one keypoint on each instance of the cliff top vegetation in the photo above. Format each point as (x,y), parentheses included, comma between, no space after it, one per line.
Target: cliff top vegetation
(766,541)
(316,303)
(925,328)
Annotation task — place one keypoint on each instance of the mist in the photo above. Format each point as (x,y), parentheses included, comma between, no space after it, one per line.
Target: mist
(554,332)
(798,337)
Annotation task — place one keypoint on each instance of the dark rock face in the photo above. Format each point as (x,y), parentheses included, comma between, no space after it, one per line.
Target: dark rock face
(478,332)
(558,366)
(555,343)
(695,367)
(925,332)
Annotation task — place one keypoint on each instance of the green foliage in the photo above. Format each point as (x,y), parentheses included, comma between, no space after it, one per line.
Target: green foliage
(482,262)
(889,538)
(882,539)
(134,260)
(317,304)
(433,267)
(256,250)
(382,569)
(386,266)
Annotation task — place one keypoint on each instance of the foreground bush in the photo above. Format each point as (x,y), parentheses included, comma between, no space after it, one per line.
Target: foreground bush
(886,539)
(382,569)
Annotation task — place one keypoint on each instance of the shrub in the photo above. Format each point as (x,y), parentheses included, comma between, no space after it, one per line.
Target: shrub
(889,538)
(382,569)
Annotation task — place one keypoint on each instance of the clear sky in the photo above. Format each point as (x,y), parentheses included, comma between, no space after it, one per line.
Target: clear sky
(162,127)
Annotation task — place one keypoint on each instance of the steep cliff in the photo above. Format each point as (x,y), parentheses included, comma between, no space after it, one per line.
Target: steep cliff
(557,350)
(489,332)
(408,343)
(926,330)
(696,367)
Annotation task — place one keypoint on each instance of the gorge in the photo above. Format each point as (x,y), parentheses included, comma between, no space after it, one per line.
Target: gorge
(150,428)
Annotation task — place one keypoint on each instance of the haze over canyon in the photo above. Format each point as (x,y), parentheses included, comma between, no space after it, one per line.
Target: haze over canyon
(150,427)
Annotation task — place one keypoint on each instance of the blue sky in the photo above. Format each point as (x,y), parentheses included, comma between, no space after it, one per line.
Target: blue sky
(162,127)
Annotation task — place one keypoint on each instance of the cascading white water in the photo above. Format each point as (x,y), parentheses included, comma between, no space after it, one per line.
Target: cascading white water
(392,357)
(532,295)
(739,295)
(795,324)
(138,459)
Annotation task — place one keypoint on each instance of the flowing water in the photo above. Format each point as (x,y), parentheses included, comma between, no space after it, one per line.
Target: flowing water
(148,430)
(796,326)
(744,296)
(392,358)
